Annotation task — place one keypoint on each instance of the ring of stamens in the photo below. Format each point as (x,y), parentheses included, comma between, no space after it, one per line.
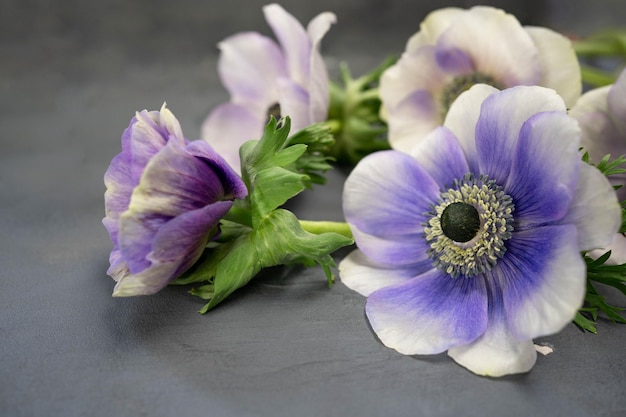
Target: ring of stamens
(495,209)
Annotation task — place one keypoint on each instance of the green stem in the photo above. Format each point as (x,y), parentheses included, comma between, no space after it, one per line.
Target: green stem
(596,77)
(319,227)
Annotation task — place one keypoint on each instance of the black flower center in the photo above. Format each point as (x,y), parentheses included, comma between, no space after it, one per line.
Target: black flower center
(460,222)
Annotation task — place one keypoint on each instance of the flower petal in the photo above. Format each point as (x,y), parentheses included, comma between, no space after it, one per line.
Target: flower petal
(441,155)
(496,353)
(229,126)
(249,65)
(147,133)
(617,248)
(388,193)
(415,70)
(542,279)
(558,62)
(435,23)
(402,250)
(429,314)
(412,119)
(361,274)
(542,185)
(294,102)
(512,60)
(617,104)
(234,187)
(501,117)
(294,40)
(595,210)
(173,183)
(318,76)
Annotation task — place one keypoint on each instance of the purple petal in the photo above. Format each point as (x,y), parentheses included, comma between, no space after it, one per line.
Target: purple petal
(501,117)
(429,314)
(183,239)
(249,65)
(541,280)
(229,126)
(454,61)
(401,250)
(544,170)
(174,182)
(388,194)
(234,187)
(441,155)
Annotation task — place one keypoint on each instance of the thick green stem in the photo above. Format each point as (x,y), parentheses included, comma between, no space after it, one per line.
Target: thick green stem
(319,227)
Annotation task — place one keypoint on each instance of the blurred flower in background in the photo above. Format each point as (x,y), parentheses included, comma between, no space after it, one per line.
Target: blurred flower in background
(455,49)
(266,78)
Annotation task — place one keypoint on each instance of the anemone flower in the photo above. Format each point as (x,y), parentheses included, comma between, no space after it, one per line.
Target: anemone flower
(165,197)
(265,78)
(472,242)
(602,116)
(457,48)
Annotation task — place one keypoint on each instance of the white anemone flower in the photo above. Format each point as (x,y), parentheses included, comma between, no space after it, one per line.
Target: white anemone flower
(457,48)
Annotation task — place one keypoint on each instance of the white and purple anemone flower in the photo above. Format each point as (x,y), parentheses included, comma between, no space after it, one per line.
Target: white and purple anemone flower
(265,78)
(473,242)
(601,113)
(457,48)
(165,197)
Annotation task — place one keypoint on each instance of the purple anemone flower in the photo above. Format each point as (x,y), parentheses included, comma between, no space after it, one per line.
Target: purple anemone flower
(265,78)
(164,200)
(472,242)
(457,48)
(601,113)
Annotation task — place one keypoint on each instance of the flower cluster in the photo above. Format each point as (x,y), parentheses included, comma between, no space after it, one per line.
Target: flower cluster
(492,173)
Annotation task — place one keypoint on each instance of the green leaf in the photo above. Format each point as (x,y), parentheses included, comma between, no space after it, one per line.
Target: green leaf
(610,275)
(256,233)
(278,239)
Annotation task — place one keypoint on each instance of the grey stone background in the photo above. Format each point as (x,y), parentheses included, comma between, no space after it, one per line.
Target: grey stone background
(72,74)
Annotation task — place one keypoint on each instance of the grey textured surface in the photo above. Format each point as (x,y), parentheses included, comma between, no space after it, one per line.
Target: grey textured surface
(72,74)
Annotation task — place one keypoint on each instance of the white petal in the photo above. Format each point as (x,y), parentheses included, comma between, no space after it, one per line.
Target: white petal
(415,70)
(433,26)
(249,65)
(229,126)
(496,353)
(294,40)
(617,248)
(294,102)
(496,43)
(360,274)
(462,117)
(559,64)
(318,76)
(595,210)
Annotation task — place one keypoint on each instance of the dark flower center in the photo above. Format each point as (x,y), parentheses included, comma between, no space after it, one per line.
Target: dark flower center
(274,110)
(467,229)
(463,83)
(460,222)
